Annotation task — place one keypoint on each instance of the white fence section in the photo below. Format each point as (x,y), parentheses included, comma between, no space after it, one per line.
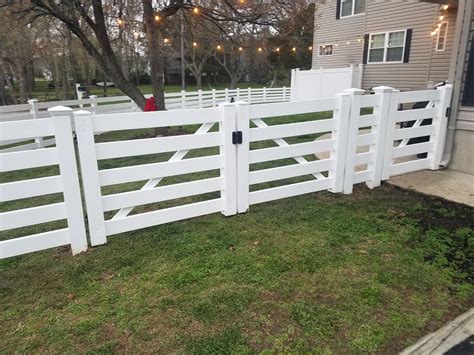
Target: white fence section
(95,179)
(322,83)
(360,141)
(117,104)
(67,182)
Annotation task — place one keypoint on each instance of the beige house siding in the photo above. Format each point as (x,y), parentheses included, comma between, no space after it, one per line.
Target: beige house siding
(425,64)
(441,60)
(328,30)
(401,15)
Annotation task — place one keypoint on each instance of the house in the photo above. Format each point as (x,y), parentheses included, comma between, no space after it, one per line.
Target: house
(409,45)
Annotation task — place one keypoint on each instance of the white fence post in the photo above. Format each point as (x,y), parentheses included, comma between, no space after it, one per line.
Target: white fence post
(238,95)
(440,123)
(90,177)
(382,114)
(228,152)
(388,149)
(200,98)
(264,94)
(34,111)
(213,97)
(249,95)
(70,177)
(293,83)
(356,95)
(243,125)
(338,154)
(226,91)
(284,93)
(183,98)
(93,103)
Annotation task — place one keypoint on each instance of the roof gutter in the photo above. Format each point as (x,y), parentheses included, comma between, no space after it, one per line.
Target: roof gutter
(461,38)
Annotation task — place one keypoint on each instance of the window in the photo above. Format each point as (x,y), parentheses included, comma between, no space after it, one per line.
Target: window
(387,47)
(325,49)
(442,36)
(352,7)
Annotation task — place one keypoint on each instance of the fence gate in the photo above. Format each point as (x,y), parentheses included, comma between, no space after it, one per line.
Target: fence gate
(277,156)
(138,183)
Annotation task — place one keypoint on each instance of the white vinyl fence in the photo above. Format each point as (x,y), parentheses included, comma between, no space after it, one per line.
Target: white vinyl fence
(67,183)
(321,83)
(118,104)
(360,142)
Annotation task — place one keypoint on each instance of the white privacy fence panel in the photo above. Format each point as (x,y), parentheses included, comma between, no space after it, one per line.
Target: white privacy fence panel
(322,83)
(66,182)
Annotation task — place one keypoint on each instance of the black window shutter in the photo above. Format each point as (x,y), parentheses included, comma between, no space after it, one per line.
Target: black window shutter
(406,55)
(338,9)
(366,49)
(468,95)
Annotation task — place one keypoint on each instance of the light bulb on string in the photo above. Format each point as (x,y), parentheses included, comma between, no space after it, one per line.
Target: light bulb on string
(196,10)
(157,18)
(293,49)
(241,49)
(195,44)
(120,22)
(310,48)
(259,49)
(218,47)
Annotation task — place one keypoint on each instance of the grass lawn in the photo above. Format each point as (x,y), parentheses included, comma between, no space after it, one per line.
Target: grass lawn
(42,93)
(326,273)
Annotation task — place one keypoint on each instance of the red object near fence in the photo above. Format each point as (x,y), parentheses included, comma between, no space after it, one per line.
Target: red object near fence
(150,104)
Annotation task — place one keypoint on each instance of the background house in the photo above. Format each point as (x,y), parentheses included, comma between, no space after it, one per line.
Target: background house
(409,45)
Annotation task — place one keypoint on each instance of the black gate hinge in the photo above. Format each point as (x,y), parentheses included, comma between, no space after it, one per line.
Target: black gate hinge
(448,112)
(237,137)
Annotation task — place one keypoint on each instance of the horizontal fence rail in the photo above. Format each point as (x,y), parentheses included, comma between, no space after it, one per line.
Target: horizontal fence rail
(229,157)
(120,104)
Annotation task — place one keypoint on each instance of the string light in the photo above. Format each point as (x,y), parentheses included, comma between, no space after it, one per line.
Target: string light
(348,42)
(278,49)
(241,49)
(157,18)
(293,49)
(445,7)
(310,48)
(120,22)
(195,44)
(136,35)
(359,39)
(219,47)
(259,49)
(196,11)
(441,18)
(166,40)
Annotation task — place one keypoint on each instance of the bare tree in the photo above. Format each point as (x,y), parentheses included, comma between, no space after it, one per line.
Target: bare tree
(93,23)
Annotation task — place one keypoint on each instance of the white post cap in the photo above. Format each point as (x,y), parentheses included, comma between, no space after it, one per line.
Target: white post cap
(30,101)
(81,113)
(60,110)
(354,91)
(383,89)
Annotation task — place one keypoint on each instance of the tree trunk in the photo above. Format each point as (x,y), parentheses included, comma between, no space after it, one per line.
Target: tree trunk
(155,52)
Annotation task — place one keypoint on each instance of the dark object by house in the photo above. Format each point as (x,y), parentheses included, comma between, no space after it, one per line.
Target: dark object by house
(82,89)
(425,122)
(51,86)
(465,347)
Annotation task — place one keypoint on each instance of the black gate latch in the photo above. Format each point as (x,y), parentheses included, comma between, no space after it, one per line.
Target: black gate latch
(237,137)
(448,112)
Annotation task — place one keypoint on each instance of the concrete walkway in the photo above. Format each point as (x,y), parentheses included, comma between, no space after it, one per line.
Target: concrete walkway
(448,184)
(455,338)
